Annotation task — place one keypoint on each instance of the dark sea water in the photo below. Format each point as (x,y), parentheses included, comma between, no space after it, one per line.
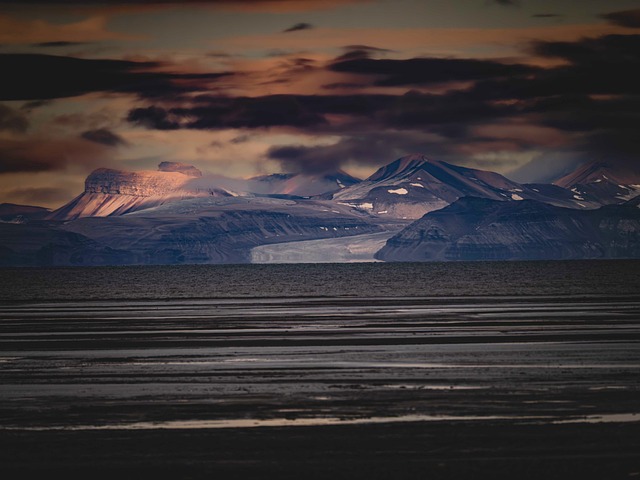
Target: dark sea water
(563,278)
(498,370)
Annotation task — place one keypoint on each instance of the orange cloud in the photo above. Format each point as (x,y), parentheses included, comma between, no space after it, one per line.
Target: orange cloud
(246,6)
(523,133)
(14,31)
(470,42)
(41,154)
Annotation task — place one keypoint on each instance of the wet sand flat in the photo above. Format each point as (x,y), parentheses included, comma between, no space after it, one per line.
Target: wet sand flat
(442,387)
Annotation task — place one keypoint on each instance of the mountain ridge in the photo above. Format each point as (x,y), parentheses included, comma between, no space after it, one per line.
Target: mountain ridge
(474,229)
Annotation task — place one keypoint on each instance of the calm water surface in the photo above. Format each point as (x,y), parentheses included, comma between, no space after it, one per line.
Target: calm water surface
(564,278)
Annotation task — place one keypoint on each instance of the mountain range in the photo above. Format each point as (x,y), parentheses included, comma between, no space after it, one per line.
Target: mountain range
(427,209)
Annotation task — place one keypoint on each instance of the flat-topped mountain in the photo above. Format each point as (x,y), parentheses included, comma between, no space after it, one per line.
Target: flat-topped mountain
(111,192)
(116,192)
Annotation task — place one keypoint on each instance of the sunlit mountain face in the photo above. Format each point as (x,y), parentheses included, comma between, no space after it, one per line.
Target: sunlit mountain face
(317,93)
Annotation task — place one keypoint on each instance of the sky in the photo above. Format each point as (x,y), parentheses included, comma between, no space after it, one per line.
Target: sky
(527,88)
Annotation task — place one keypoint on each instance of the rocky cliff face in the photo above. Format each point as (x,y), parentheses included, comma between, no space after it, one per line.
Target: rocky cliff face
(137,184)
(481,229)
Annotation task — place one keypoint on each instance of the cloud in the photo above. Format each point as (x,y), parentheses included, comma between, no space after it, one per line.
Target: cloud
(225,112)
(584,104)
(58,44)
(506,3)
(272,6)
(604,50)
(297,27)
(427,70)
(103,136)
(624,18)
(156,118)
(366,149)
(12,120)
(547,15)
(344,85)
(38,154)
(366,47)
(69,76)
(18,30)
(329,158)
(37,195)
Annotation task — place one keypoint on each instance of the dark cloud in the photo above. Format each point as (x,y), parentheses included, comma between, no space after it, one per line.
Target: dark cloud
(25,75)
(427,70)
(59,44)
(366,47)
(297,27)
(156,118)
(592,101)
(366,149)
(505,3)
(445,115)
(363,148)
(355,52)
(343,85)
(12,120)
(547,15)
(103,137)
(608,50)
(625,18)
(226,112)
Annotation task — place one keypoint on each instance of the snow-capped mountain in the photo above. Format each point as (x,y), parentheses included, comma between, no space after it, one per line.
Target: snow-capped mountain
(603,182)
(414,185)
(179,215)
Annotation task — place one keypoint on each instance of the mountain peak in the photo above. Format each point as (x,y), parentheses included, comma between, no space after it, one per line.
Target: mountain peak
(600,171)
(402,165)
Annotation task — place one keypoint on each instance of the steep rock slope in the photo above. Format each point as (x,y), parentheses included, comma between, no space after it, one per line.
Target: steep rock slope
(482,229)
